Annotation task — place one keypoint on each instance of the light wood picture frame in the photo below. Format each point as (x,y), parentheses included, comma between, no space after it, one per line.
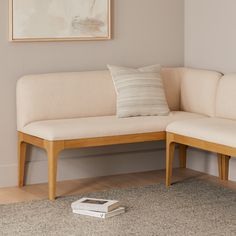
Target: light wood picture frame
(59,20)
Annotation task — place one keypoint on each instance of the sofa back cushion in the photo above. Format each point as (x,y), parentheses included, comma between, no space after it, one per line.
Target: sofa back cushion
(198,91)
(226,97)
(171,80)
(79,94)
(64,95)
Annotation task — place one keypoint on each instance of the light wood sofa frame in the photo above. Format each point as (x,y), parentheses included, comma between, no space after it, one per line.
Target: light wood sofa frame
(224,153)
(53,148)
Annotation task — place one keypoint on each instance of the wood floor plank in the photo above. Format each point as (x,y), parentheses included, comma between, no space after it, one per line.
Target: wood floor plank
(84,186)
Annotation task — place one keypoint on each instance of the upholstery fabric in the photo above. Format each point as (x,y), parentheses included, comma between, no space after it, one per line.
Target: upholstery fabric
(198,91)
(215,130)
(78,94)
(65,95)
(171,78)
(226,97)
(66,129)
(140,92)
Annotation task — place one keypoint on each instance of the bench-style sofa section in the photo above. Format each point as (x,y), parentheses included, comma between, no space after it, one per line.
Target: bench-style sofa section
(216,133)
(75,110)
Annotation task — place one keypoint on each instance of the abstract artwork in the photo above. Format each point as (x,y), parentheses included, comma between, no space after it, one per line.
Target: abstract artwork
(55,20)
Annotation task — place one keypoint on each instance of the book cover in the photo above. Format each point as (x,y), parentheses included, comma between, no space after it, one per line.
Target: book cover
(94,204)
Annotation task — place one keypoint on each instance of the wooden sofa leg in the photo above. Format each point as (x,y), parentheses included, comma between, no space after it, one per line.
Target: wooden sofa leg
(21,160)
(182,155)
(170,151)
(53,150)
(219,156)
(225,167)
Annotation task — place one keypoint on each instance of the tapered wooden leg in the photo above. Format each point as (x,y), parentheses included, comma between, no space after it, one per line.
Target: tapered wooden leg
(225,167)
(170,151)
(220,156)
(21,160)
(182,155)
(53,150)
(52,175)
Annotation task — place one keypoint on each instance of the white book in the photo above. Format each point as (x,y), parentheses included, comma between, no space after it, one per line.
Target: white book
(94,204)
(103,215)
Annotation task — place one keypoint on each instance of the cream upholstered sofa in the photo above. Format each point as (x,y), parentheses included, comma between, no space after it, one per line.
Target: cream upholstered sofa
(217,132)
(73,110)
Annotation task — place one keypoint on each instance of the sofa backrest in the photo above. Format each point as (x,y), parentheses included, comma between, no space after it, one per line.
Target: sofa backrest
(64,95)
(79,94)
(198,91)
(226,97)
(171,80)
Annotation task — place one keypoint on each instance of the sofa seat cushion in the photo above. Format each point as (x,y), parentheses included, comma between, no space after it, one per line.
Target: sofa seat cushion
(91,127)
(215,130)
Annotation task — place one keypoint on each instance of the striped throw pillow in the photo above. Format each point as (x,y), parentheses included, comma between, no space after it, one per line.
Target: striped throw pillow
(140,92)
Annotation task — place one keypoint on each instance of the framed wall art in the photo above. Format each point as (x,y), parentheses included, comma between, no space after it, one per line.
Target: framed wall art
(60,20)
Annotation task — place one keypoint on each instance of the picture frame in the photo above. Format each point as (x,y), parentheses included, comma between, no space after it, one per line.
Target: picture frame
(96,25)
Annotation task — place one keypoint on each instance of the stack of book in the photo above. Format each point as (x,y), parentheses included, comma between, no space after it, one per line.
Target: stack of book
(100,208)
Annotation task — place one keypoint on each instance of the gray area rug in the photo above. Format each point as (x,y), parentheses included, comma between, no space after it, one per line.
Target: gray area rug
(193,207)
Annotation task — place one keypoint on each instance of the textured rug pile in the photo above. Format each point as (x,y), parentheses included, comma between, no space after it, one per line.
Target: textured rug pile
(193,207)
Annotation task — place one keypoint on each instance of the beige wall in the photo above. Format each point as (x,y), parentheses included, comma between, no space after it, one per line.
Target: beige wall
(210,34)
(210,43)
(145,32)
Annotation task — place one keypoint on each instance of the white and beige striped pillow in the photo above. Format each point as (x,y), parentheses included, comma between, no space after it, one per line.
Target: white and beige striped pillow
(140,92)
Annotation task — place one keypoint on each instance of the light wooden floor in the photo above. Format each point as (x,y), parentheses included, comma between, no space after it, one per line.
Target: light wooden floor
(73,187)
